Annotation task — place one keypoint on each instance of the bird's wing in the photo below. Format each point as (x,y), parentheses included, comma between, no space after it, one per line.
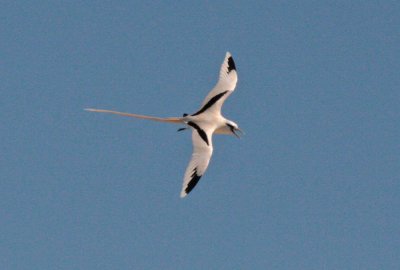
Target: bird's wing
(225,86)
(202,151)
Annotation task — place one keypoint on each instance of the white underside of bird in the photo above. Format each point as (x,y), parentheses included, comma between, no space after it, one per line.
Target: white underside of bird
(204,123)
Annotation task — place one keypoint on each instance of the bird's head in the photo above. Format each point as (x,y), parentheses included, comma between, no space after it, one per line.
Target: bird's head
(234,129)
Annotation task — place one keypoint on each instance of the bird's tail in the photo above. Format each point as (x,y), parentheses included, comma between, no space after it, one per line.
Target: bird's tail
(175,120)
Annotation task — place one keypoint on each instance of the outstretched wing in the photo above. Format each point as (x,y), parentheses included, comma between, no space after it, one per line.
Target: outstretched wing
(202,151)
(225,86)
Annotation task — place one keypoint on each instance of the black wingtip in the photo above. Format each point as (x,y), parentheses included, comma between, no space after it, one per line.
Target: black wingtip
(193,182)
(231,64)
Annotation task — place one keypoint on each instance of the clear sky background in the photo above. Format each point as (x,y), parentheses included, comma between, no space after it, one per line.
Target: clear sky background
(314,183)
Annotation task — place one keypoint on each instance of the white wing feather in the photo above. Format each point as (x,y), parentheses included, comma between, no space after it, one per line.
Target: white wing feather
(227,82)
(198,164)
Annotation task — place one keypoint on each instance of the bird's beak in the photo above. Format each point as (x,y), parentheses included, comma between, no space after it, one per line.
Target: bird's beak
(238,132)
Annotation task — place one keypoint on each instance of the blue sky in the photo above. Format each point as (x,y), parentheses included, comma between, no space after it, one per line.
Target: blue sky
(314,184)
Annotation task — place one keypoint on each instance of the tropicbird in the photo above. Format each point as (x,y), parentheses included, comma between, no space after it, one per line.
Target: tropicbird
(204,123)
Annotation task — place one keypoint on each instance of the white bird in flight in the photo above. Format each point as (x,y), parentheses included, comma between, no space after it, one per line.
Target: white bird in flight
(204,123)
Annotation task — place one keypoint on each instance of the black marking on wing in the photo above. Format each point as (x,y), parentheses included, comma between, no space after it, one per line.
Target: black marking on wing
(231,64)
(193,182)
(201,132)
(211,102)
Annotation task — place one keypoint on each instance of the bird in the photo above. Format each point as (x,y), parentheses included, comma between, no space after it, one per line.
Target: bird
(205,122)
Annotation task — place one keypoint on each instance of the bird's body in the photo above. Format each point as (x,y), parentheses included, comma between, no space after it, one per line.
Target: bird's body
(204,123)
